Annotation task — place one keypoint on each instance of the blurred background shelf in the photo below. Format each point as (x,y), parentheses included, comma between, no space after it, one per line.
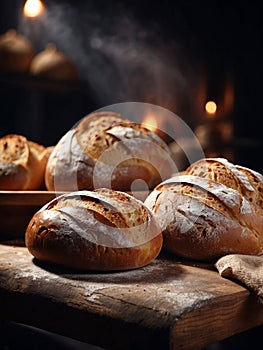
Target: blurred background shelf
(42,109)
(12,80)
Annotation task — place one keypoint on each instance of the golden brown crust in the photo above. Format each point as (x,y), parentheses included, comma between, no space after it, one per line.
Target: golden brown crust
(213,209)
(22,163)
(100,230)
(14,159)
(244,180)
(90,128)
(106,150)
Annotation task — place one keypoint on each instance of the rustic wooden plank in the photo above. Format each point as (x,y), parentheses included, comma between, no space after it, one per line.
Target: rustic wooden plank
(26,198)
(17,208)
(219,319)
(166,302)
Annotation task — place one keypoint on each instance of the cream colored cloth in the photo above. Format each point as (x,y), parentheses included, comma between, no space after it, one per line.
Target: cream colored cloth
(244,268)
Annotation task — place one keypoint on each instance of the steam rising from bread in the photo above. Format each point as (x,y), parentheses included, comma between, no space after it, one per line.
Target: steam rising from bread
(119,58)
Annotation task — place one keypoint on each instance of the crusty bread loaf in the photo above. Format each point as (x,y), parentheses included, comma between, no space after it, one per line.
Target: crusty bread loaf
(22,163)
(94,230)
(16,52)
(213,209)
(107,150)
(53,64)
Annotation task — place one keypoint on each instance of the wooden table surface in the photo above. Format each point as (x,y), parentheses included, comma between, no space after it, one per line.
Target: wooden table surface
(168,304)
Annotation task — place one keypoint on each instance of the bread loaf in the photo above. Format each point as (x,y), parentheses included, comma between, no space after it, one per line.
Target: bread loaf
(16,52)
(213,209)
(94,230)
(107,150)
(22,163)
(53,64)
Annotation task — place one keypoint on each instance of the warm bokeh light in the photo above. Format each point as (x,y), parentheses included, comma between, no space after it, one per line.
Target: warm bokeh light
(150,121)
(33,8)
(210,107)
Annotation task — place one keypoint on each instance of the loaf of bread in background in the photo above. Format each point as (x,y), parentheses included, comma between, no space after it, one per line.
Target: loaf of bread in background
(22,163)
(53,64)
(213,209)
(16,52)
(107,150)
(94,230)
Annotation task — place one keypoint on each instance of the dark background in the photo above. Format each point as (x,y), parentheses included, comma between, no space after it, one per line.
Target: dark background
(161,52)
(176,54)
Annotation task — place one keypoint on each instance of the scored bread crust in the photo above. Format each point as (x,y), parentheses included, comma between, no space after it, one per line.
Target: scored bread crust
(94,230)
(247,181)
(214,209)
(22,163)
(107,150)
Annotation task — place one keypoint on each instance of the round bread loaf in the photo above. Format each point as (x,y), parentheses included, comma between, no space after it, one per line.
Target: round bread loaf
(53,64)
(16,52)
(22,163)
(213,209)
(106,150)
(94,230)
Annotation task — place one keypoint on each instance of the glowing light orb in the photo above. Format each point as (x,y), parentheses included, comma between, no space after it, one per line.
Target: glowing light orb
(33,8)
(210,107)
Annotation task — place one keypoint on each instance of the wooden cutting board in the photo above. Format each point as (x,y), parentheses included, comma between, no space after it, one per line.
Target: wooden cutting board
(169,304)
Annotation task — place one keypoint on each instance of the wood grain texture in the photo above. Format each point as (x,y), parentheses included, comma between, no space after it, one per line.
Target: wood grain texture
(168,304)
(17,208)
(26,198)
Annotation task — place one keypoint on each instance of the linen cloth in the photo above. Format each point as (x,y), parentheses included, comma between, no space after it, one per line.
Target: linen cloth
(247,269)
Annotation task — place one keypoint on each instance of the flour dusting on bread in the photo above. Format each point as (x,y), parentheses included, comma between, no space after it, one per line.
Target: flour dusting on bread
(213,209)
